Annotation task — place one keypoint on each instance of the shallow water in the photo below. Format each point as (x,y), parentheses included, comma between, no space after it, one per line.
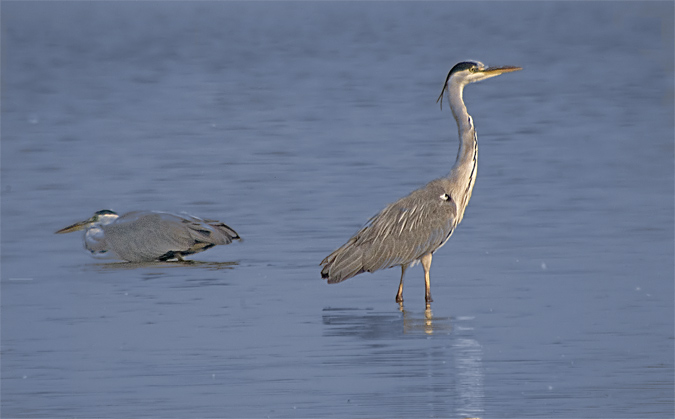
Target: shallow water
(294,123)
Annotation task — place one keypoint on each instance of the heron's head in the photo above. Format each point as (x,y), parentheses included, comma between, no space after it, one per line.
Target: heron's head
(467,72)
(102,217)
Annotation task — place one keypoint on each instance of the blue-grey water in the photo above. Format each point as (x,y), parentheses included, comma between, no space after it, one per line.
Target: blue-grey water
(294,123)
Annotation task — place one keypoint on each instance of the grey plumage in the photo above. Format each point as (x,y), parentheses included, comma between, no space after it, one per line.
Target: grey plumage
(142,236)
(411,229)
(401,233)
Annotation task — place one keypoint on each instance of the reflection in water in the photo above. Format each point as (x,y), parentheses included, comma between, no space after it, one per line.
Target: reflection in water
(413,322)
(117,266)
(368,324)
(150,271)
(447,368)
(356,322)
(469,369)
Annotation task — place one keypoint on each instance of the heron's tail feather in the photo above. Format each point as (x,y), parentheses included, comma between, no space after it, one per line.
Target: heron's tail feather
(226,231)
(210,231)
(342,264)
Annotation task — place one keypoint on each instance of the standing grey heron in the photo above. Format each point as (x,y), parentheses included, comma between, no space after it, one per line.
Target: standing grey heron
(411,229)
(143,236)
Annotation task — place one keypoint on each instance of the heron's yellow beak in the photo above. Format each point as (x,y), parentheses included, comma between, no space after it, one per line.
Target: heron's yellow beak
(495,71)
(75,227)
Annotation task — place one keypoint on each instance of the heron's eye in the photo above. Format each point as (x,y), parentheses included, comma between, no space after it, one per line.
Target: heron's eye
(445,197)
(473,69)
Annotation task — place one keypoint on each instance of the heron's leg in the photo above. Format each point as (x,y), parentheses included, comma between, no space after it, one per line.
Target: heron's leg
(426,264)
(399,295)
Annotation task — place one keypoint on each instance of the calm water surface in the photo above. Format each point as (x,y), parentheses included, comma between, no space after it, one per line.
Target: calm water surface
(294,123)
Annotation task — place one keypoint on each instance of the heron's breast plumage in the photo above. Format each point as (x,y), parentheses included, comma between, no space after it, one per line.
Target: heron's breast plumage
(96,243)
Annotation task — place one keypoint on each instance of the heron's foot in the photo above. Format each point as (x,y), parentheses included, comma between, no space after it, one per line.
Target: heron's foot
(428,298)
(399,298)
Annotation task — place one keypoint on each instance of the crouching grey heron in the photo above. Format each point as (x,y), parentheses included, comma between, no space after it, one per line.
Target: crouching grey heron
(411,229)
(143,236)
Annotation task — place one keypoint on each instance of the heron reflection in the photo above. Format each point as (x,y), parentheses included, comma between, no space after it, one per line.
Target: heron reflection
(424,322)
(438,355)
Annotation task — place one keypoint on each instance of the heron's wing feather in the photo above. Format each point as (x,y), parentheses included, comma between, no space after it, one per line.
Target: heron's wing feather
(204,230)
(400,234)
(407,230)
(149,235)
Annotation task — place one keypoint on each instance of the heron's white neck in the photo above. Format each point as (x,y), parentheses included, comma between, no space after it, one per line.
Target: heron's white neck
(464,121)
(94,242)
(463,173)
